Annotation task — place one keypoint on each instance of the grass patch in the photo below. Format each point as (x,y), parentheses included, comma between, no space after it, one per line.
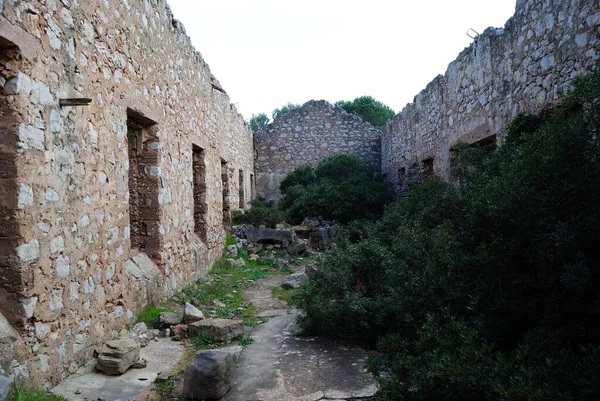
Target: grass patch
(205,340)
(287,295)
(150,314)
(165,389)
(222,294)
(246,341)
(20,393)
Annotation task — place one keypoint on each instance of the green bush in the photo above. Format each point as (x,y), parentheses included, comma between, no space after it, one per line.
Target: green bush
(485,290)
(341,188)
(260,213)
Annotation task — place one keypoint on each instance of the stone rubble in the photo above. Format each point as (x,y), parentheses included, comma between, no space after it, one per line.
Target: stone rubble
(117,356)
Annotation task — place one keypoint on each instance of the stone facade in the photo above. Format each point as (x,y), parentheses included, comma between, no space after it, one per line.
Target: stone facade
(307,135)
(523,68)
(112,202)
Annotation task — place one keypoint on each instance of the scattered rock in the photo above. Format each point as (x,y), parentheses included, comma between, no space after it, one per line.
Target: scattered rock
(168,319)
(311,222)
(210,375)
(221,329)
(266,259)
(140,328)
(180,330)
(295,280)
(140,364)
(117,356)
(191,313)
(232,251)
(281,263)
(238,263)
(254,257)
(219,304)
(257,249)
(162,377)
(297,250)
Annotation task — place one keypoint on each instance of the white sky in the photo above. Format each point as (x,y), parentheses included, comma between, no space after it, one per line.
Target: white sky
(267,53)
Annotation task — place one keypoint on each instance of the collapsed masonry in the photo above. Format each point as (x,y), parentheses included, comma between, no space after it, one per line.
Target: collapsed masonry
(121,160)
(121,157)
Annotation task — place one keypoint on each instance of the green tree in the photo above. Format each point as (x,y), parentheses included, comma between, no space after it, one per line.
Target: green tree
(341,188)
(284,110)
(369,109)
(486,290)
(258,122)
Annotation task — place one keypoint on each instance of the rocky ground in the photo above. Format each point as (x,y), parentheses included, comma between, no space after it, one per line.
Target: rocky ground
(190,356)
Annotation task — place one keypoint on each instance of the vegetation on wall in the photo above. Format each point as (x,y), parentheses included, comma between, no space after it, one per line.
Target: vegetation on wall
(486,290)
(369,109)
(341,188)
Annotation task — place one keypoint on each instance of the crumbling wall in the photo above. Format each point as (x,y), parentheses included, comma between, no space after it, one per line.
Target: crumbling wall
(523,68)
(71,275)
(307,135)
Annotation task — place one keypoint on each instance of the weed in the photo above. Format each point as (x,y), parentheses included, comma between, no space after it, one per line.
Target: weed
(21,393)
(205,340)
(287,295)
(165,388)
(150,314)
(246,341)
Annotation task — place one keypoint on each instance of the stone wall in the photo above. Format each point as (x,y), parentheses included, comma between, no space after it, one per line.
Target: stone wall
(307,135)
(524,68)
(75,173)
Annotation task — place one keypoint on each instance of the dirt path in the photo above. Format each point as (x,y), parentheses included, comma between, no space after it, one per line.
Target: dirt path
(280,365)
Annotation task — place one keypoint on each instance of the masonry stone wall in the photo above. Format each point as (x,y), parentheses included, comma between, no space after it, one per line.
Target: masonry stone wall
(523,68)
(151,138)
(307,135)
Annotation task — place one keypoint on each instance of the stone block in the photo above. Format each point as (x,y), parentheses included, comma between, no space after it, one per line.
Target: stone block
(295,280)
(269,235)
(168,319)
(117,356)
(211,374)
(191,313)
(221,329)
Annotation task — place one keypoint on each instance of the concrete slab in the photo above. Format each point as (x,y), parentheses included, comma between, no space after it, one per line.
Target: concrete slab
(280,366)
(87,384)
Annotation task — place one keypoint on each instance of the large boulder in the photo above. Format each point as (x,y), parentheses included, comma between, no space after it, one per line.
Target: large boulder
(295,280)
(269,235)
(168,319)
(211,374)
(221,329)
(117,356)
(191,313)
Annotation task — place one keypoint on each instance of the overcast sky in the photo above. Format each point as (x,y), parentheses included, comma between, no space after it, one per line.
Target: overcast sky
(267,53)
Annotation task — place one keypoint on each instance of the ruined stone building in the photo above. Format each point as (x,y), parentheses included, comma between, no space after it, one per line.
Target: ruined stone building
(120,160)
(523,68)
(307,135)
(121,156)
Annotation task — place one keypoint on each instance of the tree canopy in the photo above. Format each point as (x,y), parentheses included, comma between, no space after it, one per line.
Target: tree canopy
(284,110)
(369,109)
(258,122)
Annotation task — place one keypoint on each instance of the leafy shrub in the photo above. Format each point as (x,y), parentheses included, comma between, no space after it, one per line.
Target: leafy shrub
(260,213)
(341,188)
(488,290)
